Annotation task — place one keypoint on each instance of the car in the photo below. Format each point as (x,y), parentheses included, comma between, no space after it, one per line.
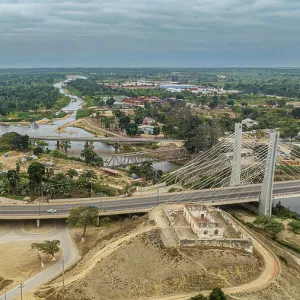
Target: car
(93,205)
(51,211)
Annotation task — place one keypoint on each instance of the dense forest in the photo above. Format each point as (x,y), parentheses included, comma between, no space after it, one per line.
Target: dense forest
(20,92)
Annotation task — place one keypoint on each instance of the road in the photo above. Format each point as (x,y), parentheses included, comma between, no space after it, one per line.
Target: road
(105,139)
(144,203)
(70,252)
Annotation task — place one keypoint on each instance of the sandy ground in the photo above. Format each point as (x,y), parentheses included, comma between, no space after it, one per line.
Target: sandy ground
(21,263)
(46,226)
(132,265)
(13,157)
(53,120)
(62,129)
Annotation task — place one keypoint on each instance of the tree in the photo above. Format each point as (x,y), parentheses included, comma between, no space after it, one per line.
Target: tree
(47,247)
(37,150)
(83,216)
(124,121)
(88,154)
(156,130)
(36,172)
(290,131)
(42,145)
(72,173)
(13,179)
(132,129)
(66,145)
(91,157)
(230,102)
(295,113)
(110,102)
(213,104)
(217,294)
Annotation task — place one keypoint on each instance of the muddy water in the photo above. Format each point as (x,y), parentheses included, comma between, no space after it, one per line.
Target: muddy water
(104,150)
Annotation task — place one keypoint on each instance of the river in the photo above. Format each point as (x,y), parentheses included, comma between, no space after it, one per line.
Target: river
(102,149)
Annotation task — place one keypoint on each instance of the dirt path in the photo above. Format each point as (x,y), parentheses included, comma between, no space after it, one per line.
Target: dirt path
(69,249)
(270,273)
(105,252)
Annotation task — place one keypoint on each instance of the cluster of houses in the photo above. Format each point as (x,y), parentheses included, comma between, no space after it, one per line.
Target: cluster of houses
(127,102)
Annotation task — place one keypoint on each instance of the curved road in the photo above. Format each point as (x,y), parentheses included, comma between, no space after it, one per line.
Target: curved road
(69,249)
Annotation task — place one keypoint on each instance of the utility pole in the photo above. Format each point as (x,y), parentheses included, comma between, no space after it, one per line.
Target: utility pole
(21,289)
(63,275)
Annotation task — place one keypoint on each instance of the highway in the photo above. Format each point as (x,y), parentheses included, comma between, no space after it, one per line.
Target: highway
(110,206)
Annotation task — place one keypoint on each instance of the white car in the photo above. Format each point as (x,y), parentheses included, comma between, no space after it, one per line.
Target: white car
(51,211)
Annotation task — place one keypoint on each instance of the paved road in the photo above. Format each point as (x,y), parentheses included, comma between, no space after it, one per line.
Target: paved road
(14,234)
(108,205)
(104,139)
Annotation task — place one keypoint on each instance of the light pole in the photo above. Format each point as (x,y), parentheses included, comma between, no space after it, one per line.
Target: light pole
(63,273)
(21,289)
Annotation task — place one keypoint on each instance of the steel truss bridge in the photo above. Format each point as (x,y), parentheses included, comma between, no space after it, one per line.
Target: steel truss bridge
(176,154)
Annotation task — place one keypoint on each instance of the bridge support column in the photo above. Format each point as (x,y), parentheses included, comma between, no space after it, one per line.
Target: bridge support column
(237,157)
(266,195)
(38,223)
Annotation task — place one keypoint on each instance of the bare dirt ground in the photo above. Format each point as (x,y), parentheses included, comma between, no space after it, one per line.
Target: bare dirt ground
(46,226)
(130,262)
(20,264)
(10,161)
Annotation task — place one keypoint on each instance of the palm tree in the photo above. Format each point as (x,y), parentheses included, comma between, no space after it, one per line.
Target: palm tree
(98,116)
(67,145)
(13,179)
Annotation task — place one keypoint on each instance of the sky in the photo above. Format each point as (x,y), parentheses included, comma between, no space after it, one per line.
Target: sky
(149,33)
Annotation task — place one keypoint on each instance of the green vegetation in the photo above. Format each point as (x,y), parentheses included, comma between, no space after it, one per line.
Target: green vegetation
(14,141)
(270,225)
(90,157)
(295,225)
(47,247)
(29,92)
(216,294)
(279,211)
(83,216)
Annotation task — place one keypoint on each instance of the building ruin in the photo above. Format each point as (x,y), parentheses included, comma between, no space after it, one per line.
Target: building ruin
(200,225)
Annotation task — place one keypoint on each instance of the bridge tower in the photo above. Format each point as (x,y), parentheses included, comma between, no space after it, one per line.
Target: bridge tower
(235,179)
(266,195)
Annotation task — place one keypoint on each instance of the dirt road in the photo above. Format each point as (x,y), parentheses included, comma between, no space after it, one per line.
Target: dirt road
(270,273)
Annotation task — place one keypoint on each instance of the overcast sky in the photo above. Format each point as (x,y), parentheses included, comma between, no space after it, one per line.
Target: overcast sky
(154,33)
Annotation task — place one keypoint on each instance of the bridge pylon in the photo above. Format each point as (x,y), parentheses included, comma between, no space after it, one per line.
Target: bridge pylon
(266,195)
(235,179)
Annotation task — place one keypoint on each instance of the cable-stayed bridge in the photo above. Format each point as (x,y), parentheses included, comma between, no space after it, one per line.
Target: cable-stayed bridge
(239,168)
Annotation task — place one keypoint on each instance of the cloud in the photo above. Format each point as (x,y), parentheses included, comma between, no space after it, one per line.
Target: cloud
(95,27)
